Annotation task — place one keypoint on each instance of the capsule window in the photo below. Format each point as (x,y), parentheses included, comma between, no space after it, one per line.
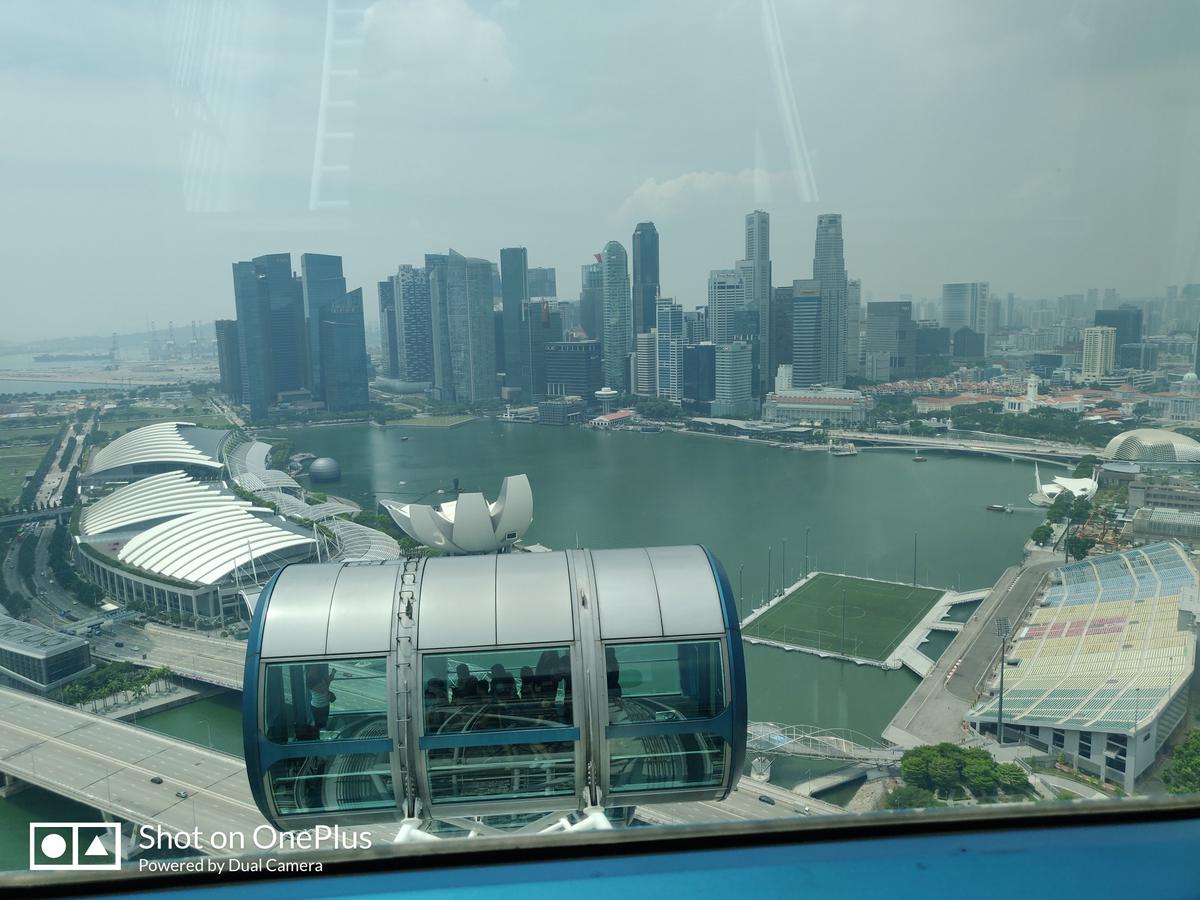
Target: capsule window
(664,681)
(519,771)
(332,783)
(495,690)
(666,762)
(326,700)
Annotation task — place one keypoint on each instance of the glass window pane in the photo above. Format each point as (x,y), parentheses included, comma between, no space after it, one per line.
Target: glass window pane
(337,699)
(502,773)
(664,681)
(332,783)
(494,690)
(662,761)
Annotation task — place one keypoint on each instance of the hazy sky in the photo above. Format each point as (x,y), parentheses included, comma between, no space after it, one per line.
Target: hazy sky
(1043,146)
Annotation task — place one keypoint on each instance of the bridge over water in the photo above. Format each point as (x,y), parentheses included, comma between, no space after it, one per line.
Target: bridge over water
(812,742)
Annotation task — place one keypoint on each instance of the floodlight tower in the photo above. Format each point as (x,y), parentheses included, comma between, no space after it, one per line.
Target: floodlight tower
(1002,629)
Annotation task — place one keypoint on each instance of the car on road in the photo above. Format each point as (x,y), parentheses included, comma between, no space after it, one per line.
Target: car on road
(182,795)
(157,779)
(763,798)
(119,643)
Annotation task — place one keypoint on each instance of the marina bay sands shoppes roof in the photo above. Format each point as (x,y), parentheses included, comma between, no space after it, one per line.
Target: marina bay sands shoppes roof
(161,447)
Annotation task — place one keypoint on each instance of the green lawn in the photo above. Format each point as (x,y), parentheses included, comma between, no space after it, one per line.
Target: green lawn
(877,615)
(29,432)
(15,462)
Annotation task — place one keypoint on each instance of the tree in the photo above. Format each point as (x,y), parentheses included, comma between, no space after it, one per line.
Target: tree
(915,764)
(909,797)
(1042,533)
(1182,774)
(945,774)
(980,776)
(1079,547)
(1011,777)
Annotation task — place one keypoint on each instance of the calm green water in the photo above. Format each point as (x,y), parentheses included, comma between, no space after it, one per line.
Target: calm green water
(937,642)
(628,489)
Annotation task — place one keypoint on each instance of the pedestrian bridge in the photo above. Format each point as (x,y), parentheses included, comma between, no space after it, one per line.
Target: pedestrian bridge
(818,743)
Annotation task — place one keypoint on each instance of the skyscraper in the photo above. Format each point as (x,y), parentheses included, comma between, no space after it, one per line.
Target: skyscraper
(645,363)
(891,341)
(854,326)
(758,290)
(543,282)
(618,316)
(288,343)
(464,348)
(646,284)
(780,353)
(229,359)
(699,377)
(726,294)
(344,365)
(1126,319)
(389,330)
(734,380)
(514,292)
(591,299)
(574,368)
(253,305)
(1099,351)
(414,325)
(829,270)
(323,285)
(669,352)
(807,333)
(965,305)
(541,325)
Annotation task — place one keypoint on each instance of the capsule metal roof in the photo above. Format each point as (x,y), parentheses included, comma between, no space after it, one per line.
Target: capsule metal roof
(162,496)
(179,443)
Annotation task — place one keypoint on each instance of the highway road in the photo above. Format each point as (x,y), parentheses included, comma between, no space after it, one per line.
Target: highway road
(742,804)
(213,660)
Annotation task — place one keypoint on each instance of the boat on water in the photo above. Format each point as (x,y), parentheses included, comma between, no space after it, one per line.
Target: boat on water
(1000,507)
(917,457)
(844,448)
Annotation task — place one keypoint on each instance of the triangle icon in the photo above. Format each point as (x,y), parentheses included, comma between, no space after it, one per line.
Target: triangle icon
(96,848)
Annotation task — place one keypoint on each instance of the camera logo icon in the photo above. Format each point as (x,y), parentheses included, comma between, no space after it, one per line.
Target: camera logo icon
(74,846)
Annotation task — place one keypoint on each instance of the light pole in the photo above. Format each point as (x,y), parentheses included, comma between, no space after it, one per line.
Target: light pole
(843,622)
(806,533)
(741,593)
(207,728)
(783,582)
(1002,628)
(769,549)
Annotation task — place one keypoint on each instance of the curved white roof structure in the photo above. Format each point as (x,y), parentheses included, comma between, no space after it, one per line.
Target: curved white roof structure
(360,543)
(295,508)
(162,496)
(165,443)
(249,467)
(207,546)
(1153,445)
(470,524)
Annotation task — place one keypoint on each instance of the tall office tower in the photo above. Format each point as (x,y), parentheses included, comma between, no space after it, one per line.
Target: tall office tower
(726,293)
(891,341)
(758,290)
(807,332)
(1111,298)
(646,284)
(288,340)
(574,369)
(437,265)
(854,327)
(645,363)
(543,282)
(700,374)
(669,317)
(323,285)
(1126,319)
(591,299)
(1099,351)
(389,329)
(829,270)
(933,349)
(618,316)
(1010,312)
(464,346)
(344,364)
(964,305)
(1093,300)
(229,359)
(514,290)
(414,325)
(780,352)
(734,389)
(252,302)
(695,326)
(541,325)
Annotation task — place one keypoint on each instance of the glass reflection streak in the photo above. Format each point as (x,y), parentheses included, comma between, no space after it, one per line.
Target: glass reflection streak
(518,683)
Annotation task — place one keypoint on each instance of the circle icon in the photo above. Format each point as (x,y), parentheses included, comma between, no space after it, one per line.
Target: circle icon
(54,845)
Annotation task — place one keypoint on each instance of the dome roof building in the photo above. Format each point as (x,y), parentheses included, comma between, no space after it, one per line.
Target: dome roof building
(1153,445)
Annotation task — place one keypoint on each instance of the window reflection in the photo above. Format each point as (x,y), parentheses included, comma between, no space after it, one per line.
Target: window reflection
(497,689)
(502,773)
(664,762)
(340,699)
(335,783)
(664,681)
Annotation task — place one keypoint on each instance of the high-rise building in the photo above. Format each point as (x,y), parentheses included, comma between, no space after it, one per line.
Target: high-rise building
(646,284)
(807,332)
(464,348)
(323,285)
(1126,319)
(574,368)
(645,363)
(414,325)
(734,389)
(933,348)
(829,270)
(541,325)
(591,299)
(699,380)
(543,282)
(965,305)
(344,365)
(618,316)
(1099,351)
(758,288)
(854,327)
(253,305)
(389,329)
(229,359)
(288,343)
(1141,356)
(891,341)
(669,316)
(726,293)
(780,352)
(695,326)
(514,292)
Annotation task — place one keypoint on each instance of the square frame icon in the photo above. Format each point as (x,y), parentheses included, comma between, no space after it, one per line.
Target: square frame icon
(74,846)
